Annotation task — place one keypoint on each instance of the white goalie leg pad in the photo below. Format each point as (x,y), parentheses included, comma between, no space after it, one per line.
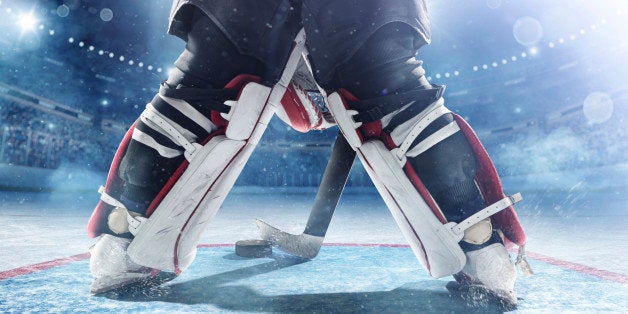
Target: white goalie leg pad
(168,239)
(429,239)
(432,242)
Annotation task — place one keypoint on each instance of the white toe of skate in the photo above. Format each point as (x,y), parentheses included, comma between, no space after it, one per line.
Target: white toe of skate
(111,266)
(491,268)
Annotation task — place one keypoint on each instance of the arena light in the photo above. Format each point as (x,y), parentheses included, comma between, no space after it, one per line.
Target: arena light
(27,22)
(533,51)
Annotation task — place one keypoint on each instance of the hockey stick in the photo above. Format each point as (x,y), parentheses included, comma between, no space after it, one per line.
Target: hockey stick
(308,243)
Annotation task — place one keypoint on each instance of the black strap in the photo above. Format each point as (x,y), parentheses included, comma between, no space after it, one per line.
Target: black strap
(382,106)
(212,99)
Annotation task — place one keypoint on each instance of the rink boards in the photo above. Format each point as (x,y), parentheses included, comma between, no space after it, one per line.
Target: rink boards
(342,278)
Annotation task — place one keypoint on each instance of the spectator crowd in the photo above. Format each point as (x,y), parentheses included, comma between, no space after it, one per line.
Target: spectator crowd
(34,138)
(30,137)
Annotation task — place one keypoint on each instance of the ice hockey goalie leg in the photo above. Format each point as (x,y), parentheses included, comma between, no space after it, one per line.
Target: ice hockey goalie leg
(168,239)
(432,242)
(433,238)
(385,156)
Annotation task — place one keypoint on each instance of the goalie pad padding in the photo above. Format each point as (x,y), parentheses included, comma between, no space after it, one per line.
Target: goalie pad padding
(430,241)
(168,239)
(236,83)
(298,110)
(98,221)
(488,182)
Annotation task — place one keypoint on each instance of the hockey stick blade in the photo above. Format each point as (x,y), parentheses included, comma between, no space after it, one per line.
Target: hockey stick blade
(301,245)
(308,243)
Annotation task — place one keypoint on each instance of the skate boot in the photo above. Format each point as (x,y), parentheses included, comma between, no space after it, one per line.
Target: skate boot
(111,266)
(488,276)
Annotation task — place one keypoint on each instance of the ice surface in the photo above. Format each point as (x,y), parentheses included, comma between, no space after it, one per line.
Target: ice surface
(576,225)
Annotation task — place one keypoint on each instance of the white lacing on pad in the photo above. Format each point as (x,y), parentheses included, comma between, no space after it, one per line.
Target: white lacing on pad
(135,222)
(437,137)
(156,127)
(150,142)
(109,199)
(151,114)
(459,228)
(190,112)
(419,127)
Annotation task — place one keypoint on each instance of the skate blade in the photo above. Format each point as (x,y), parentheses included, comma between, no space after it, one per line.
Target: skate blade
(133,282)
(478,296)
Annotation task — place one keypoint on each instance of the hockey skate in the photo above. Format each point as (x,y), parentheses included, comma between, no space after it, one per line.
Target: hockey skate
(488,277)
(111,266)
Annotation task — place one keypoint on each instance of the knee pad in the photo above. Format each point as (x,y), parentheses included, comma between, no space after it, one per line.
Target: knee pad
(434,239)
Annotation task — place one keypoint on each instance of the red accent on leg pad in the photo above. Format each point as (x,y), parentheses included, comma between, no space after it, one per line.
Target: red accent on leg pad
(299,118)
(416,181)
(113,186)
(371,130)
(491,187)
(368,130)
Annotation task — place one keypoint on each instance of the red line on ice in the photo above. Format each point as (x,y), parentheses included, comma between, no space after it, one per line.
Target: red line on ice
(41,266)
(583,269)
(215,245)
(600,273)
(366,244)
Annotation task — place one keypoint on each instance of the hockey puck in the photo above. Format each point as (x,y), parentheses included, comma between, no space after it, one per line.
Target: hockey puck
(253,248)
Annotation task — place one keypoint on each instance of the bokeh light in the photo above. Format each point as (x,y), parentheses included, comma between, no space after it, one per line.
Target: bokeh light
(527,31)
(63,10)
(106,14)
(493,4)
(598,107)
(534,50)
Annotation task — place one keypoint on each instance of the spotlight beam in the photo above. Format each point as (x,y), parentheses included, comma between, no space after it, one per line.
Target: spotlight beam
(27,22)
